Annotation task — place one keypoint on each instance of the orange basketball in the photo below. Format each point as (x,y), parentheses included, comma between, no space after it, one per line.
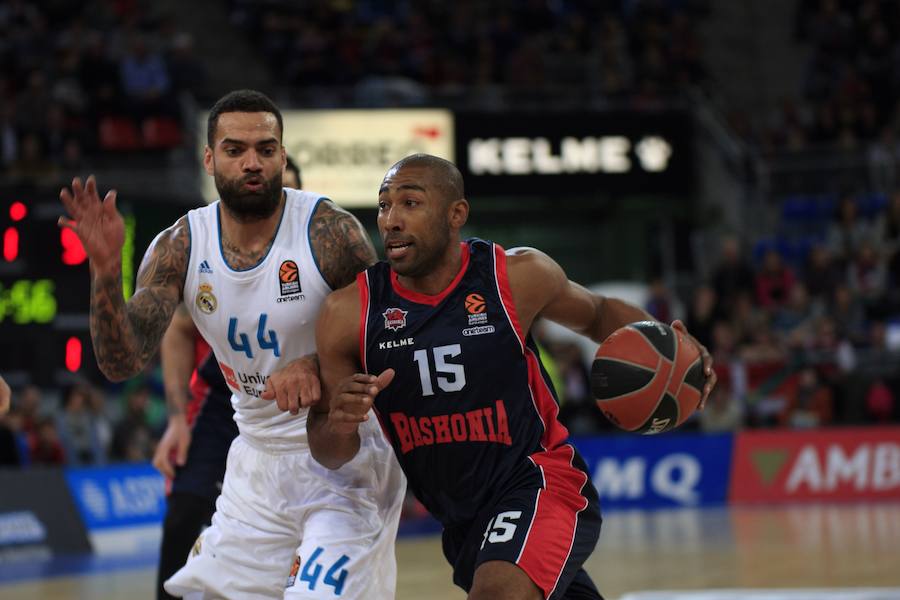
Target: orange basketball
(647,377)
(288,271)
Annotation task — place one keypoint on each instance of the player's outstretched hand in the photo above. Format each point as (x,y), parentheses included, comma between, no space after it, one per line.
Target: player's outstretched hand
(5,395)
(173,445)
(295,386)
(97,223)
(353,399)
(707,362)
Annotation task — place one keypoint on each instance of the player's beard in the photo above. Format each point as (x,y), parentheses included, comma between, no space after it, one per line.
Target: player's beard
(247,206)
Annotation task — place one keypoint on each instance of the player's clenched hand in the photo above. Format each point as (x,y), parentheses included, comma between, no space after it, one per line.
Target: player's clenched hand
(97,223)
(707,362)
(295,386)
(174,444)
(353,398)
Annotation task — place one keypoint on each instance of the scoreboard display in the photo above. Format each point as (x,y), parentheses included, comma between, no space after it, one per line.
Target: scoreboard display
(45,291)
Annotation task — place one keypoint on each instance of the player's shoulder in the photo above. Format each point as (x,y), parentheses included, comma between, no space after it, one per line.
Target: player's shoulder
(343,302)
(526,261)
(175,237)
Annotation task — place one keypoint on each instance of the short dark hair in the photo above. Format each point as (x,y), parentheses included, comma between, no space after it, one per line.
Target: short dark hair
(292,166)
(446,176)
(241,101)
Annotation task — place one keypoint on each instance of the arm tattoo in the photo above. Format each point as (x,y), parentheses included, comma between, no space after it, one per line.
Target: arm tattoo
(125,336)
(340,244)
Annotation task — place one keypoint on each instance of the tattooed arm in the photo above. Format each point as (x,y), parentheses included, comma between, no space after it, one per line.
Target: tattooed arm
(341,245)
(125,336)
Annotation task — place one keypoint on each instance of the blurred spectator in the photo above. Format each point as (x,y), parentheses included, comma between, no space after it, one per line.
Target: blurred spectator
(821,275)
(46,448)
(848,312)
(732,276)
(774,281)
(702,316)
(145,81)
(794,320)
(659,301)
(187,72)
(867,274)
(28,403)
(847,232)
(880,402)
(886,231)
(723,410)
(578,410)
(133,438)
(78,429)
(809,401)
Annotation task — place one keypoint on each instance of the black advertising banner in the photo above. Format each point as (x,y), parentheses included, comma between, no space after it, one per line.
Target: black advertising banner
(532,153)
(38,517)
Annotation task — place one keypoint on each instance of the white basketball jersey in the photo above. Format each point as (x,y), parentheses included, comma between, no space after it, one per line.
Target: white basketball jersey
(258,319)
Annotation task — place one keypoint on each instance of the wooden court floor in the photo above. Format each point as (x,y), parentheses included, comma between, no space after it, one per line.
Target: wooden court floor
(812,546)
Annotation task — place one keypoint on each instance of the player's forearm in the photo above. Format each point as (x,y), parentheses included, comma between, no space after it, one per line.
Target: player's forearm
(611,314)
(177,365)
(330,448)
(125,337)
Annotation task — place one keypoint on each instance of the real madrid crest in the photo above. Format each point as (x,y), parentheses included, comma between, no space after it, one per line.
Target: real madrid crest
(205,300)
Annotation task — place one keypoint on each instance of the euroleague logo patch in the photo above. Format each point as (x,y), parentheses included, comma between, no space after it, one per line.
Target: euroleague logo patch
(289,279)
(476,309)
(295,569)
(395,319)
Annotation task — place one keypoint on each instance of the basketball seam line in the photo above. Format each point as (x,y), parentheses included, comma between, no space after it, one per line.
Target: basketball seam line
(653,345)
(634,364)
(634,391)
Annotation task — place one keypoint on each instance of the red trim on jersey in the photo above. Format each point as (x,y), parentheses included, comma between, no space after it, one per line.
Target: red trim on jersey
(555,433)
(503,288)
(551,533)
(426,298)
(199,387)
(362,283)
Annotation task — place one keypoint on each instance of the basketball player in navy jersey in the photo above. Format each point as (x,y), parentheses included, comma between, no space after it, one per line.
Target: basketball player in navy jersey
(193,449)
(253,269)
(460,391)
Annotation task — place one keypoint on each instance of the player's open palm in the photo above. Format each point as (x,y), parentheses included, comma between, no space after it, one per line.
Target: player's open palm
(353,398)
(96,222)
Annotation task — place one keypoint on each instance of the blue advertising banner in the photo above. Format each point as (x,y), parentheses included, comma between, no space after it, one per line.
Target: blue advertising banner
(636,471)
(118,496)
(37,517)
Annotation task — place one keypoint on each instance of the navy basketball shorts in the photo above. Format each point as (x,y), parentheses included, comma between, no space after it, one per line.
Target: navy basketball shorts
(546,522)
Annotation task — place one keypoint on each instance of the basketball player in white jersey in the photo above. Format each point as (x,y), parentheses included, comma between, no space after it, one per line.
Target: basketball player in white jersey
(254,268)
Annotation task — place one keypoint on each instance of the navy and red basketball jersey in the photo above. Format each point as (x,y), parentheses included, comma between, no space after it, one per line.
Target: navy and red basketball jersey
(470,401)
(211,418)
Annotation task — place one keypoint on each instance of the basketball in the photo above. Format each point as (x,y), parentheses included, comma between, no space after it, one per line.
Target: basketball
(647,377)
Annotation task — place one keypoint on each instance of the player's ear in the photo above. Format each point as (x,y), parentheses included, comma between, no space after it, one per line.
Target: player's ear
(459,213)
(208,160)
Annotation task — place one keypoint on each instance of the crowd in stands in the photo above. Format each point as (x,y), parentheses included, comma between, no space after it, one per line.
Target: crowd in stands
(798,341)
(488,54)
(84,425)
(80,79)
(848,96)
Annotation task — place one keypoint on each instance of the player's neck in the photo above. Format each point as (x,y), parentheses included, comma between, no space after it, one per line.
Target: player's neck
(253,235)
(437,280)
